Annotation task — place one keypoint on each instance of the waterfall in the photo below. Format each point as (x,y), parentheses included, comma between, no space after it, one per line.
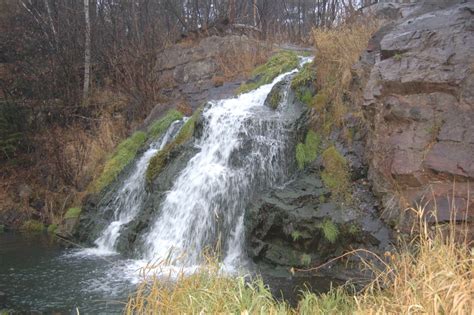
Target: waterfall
(131,195)
(244,148)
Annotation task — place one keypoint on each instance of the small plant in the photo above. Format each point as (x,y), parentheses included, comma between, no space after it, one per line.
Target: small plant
(330,230)
(336,176)
(308,152)
(397,57)
(305,259)
(72,213)
(354,229)
(296,235)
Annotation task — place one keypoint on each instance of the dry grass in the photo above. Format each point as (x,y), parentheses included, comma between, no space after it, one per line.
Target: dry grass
(337,50)
(431,274)
(240,61)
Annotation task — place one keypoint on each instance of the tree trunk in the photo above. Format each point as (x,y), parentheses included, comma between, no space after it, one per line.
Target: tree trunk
(87,53)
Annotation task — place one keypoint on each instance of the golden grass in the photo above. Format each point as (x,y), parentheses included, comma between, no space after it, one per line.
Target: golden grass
(431,274)
(337,49)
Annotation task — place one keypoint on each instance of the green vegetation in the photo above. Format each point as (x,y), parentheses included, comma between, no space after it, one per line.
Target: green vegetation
(32,226)
(354,229)
(303,84)
(2,228)
(160,159)
(275,99)
(336,174)
(397,57)
(296,235)
(305,259)
(161,125)
(123,155)
(280,63)
(330,230)
(308,152)
(72,213)
(52,228)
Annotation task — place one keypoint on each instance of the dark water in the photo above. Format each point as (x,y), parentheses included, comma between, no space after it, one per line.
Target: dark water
(40,276)
(36,274)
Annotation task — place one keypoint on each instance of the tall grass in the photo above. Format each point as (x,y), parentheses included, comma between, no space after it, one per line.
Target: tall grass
(431,274)
(337,50)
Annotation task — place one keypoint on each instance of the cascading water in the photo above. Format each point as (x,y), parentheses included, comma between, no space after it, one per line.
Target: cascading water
(130,197)
(244,148)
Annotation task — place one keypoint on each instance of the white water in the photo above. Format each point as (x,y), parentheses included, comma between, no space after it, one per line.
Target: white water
(243,150)
(131,196)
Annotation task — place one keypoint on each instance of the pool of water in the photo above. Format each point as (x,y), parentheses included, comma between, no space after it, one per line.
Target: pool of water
(37,274)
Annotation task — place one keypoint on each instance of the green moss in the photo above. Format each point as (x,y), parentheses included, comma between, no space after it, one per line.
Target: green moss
(308,152)
(275,99)
(305,259)
(306,76)
(336,174)
(159,160)
(330,230)
(72,213)
(32,226)
(2,228)
(124,154)
(322,199)
(320,101)
(52,228)
(161,125)
(280,63)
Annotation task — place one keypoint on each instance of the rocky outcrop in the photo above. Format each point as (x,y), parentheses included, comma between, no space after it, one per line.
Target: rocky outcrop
(303,224)
(191,72)
(419,101)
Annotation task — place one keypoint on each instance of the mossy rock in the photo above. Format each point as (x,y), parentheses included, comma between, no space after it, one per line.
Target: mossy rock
(161,125)
(32,226)
(304,84)
(52,228)
(336,175)
(308,151)
(280,63)
(160,159)
(73,213)
(2,228)
(122,156)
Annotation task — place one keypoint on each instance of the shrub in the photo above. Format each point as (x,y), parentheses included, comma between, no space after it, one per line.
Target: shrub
(280,63)
(161,125)
(32,226)
(336,174)
(72,213)
(124,154)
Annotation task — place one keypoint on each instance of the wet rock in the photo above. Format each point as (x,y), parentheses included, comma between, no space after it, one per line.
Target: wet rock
(420,106)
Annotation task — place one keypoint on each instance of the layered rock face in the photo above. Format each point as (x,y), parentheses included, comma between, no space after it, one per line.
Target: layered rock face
(419,101)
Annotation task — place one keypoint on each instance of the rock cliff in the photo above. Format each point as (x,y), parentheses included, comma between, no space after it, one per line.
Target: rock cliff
(419,102)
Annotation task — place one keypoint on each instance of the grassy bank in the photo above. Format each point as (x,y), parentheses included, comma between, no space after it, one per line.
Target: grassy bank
(431,274)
